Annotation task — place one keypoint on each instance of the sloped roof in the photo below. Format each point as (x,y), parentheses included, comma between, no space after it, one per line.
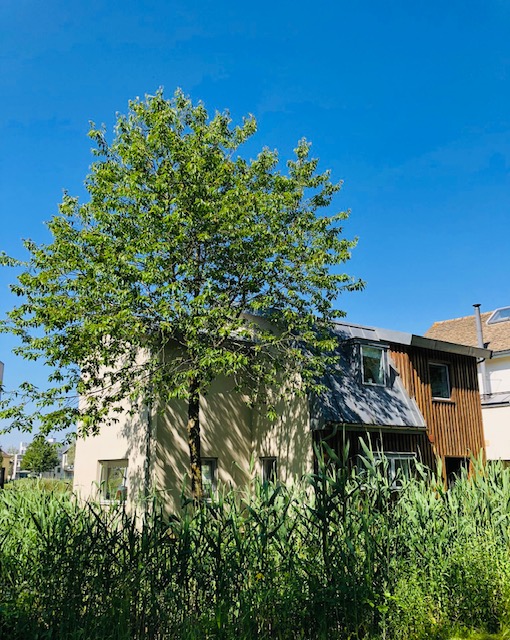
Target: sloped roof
(348,401)
(463,330)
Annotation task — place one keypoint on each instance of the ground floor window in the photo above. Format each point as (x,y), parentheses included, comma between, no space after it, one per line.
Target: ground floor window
(209,475)
(400,465)
(113,480)
(269,470)
(453,468)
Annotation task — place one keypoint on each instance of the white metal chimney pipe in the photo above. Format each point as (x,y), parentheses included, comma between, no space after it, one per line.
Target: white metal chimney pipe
(485,389)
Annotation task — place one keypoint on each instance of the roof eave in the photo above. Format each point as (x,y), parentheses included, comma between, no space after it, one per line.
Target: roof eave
(413,340)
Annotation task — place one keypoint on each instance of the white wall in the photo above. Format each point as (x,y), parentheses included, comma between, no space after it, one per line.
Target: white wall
(496,425)
(496,420)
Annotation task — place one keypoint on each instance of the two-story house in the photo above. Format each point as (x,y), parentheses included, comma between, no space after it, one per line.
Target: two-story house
(416,398)
(492,330)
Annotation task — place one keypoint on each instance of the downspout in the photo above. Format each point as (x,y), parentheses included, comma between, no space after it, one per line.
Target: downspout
(148,456)
(485,386)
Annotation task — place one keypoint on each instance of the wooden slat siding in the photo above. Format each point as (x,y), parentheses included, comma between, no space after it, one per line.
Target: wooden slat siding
(455,425)
(390,441)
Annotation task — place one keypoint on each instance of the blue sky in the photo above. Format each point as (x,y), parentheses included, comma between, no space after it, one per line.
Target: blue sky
(407,102)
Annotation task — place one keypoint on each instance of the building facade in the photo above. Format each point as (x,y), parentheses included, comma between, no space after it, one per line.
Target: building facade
(493,331)
(412,397)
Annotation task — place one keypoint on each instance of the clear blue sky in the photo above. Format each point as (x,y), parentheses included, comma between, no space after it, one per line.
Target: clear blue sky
(407,102)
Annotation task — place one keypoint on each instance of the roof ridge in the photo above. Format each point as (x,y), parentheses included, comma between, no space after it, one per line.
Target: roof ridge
(483,313)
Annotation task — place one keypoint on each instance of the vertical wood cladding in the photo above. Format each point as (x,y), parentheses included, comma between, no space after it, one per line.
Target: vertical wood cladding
(388,441)
(454,425)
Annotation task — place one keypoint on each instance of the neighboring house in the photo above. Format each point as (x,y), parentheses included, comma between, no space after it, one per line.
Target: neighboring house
(493,332)
(68,461)
(6,462)
(58,472)
(417,398)
(17,463)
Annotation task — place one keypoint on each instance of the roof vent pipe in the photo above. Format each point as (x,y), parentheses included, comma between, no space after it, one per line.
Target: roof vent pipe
(479,333)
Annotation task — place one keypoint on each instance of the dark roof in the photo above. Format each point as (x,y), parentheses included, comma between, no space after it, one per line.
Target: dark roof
(463,330)
(348,401)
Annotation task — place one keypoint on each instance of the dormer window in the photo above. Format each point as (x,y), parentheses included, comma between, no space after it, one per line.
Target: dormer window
(500,315)
(373,365)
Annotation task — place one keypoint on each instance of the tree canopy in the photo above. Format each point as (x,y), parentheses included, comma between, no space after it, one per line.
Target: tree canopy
(182,247)
(40,455)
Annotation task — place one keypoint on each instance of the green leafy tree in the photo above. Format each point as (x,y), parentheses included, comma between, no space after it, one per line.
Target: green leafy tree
(187,262)
(40,455)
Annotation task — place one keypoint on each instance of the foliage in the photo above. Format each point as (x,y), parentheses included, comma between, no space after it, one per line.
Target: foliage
(160,281)
(40,455)
(343,556)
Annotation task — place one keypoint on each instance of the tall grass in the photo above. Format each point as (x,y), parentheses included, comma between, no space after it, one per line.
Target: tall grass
(343,555)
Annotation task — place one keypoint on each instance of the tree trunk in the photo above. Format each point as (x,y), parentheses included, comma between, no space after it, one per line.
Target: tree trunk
(194,438)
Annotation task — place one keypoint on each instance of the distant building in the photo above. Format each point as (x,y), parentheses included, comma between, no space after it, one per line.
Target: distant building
(5,467)
(17,471)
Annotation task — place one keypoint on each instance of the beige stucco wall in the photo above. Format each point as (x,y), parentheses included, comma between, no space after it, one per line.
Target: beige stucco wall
(496,420)
(233,432)
(125,441)
(225,424)
(288,438)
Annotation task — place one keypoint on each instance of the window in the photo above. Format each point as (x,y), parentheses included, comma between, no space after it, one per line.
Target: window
(453,469)
(269,470)
(439,380)
(209,475)
(400,466)
(113,479)
(500,315)
(373,365)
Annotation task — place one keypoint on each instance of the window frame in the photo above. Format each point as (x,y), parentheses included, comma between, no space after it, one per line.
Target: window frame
(104,468)
(445,367)
(268,475)
(213,487)
(392,457)
(384,361)
(502,314)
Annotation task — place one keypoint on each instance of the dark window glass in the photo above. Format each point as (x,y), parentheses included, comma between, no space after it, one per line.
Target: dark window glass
(269,470)
(439,380)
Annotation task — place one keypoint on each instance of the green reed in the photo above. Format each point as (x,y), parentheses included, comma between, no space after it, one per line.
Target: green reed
(342,555)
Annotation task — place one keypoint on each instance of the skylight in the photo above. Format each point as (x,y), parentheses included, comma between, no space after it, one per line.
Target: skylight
(500,315)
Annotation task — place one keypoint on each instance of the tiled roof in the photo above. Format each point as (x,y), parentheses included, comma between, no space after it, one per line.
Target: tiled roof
(463,331)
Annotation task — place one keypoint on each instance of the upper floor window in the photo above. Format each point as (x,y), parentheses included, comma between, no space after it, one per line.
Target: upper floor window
(439,380)
(373,365)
